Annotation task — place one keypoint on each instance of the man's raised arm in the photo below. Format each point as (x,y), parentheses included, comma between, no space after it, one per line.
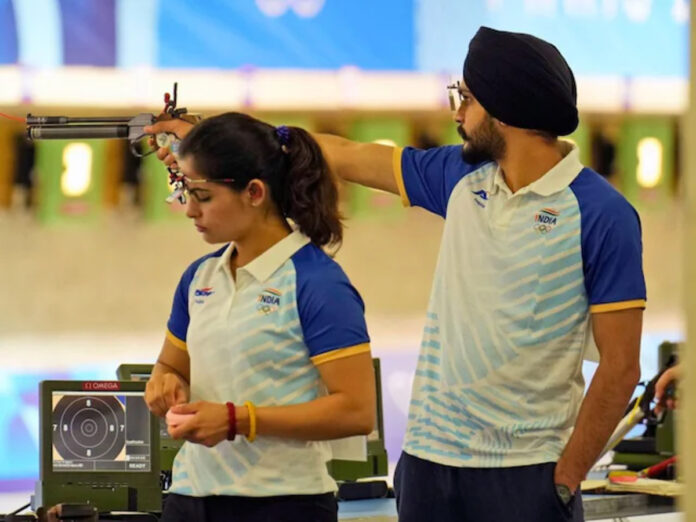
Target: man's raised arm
(368,164)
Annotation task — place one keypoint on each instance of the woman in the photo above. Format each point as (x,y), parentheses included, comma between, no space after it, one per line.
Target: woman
(267,353)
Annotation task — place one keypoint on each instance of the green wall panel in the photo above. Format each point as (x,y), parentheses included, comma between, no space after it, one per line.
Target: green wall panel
(58,161)
(632,132)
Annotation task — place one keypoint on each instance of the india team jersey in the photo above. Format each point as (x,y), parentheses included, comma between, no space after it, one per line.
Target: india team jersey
(260,338)
(498,381)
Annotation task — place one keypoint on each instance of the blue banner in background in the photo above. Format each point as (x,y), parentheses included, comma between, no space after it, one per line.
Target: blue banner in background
(597,37)
(89,32)
(311,34)
(628,38)
(8,33)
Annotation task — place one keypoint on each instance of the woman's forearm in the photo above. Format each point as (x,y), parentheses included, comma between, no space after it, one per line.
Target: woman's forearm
(331,417)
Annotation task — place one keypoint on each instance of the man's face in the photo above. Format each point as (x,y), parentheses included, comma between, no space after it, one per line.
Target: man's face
(482,138)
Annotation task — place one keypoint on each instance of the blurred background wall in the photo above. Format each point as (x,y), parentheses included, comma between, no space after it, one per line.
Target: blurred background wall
(90,254)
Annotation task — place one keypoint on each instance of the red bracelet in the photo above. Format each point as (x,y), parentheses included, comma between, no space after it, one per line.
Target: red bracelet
(232,416)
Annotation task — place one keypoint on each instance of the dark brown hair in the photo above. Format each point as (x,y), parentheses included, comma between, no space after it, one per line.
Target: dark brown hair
(289,161)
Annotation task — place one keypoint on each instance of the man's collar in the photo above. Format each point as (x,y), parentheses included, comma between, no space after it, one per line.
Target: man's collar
(264,265)
(559,177)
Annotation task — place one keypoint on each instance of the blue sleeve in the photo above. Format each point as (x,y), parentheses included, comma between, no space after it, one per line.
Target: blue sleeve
(426,178)
(332,313)
(177,326)
(179,316)
(612,249)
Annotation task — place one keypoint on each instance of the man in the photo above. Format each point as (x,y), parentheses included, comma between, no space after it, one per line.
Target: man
(538,255)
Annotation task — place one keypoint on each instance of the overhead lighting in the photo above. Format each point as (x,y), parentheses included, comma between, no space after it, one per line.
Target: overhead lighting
(77,176)
(649,171)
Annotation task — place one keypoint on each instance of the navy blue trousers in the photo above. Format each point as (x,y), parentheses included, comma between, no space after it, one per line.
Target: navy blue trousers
(290,508)
(430,492)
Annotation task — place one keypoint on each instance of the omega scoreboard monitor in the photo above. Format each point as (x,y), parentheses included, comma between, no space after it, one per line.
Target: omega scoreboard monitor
(98,445)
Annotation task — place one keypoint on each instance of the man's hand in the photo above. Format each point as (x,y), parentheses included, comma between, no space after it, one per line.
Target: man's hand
(562,478)
(208,425)
(164,391)
(176,126)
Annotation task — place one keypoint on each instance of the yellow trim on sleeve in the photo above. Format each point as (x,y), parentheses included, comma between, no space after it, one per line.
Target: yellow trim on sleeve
(340,353)
(176,341)
(613,307)
(399,176)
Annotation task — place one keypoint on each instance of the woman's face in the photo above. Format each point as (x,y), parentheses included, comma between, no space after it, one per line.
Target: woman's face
(219,213)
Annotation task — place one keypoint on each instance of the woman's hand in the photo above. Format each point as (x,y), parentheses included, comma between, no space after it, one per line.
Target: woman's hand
(208,424)
(176,126)
(164,391)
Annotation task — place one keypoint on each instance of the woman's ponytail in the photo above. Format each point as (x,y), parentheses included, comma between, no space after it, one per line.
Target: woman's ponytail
(310,192)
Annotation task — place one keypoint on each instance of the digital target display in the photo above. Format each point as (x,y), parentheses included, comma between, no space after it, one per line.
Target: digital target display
(100,432)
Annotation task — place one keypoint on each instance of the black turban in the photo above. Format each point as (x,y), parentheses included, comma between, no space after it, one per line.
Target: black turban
(522,81)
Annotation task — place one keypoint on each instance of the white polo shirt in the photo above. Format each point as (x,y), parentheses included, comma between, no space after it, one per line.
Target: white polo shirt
(260,338)
(499,381)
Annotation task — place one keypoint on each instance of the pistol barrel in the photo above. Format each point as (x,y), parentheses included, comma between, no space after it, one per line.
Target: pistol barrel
(64,120)
(77,132)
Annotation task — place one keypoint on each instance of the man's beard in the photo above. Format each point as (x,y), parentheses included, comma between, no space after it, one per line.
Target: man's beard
(484,145)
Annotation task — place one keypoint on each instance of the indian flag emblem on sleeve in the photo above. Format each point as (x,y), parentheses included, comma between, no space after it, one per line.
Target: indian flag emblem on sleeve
(268,301)
(545,220)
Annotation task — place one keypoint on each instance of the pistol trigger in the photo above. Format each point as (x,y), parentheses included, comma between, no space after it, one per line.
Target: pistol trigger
(135,150)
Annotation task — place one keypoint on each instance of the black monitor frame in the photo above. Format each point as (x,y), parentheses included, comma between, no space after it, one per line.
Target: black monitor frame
(48,475)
